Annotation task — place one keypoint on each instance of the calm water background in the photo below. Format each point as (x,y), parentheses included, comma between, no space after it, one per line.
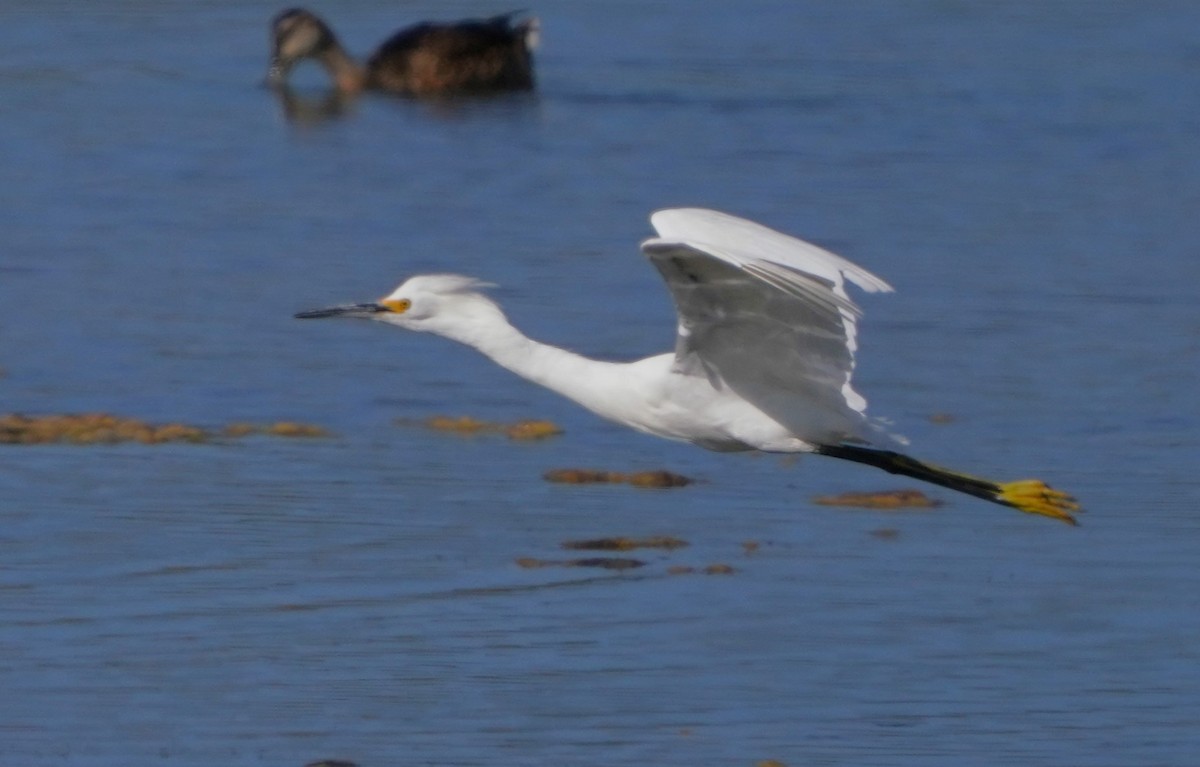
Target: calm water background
(1027,176)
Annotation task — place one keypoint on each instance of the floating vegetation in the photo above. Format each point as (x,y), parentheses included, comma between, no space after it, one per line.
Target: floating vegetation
(885,533)
(623,543)
(582,476)
(236,430)
(942,418)
(293,429)
(750,547)
(528,430)
(90,429)
(278,429)
(657,478)
(108,429)
(607,563)
(654,479)
(887,499)
(467,426)
(461,425)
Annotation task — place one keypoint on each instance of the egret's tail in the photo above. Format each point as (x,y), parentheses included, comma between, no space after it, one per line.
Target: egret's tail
(1029,495)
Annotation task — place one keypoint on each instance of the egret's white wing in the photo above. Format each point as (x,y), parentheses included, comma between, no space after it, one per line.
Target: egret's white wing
(739,241)
(765,314)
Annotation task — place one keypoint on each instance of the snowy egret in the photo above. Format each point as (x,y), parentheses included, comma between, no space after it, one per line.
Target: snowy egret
(425,59)
(763,357)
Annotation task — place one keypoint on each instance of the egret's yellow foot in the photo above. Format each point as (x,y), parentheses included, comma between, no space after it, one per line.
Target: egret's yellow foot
(1034,496)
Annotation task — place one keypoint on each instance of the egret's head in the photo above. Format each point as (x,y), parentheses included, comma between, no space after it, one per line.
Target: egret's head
(296,34)
(445,304)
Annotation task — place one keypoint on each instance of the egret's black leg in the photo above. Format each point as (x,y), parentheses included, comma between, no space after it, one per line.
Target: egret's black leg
(1029,495)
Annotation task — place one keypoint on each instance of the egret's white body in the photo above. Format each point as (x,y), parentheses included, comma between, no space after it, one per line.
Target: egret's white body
(764,353)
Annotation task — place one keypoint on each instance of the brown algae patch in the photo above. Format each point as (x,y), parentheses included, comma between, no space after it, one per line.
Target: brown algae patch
(657,478)
(717,568)
(461,425)
(294,429)
(582,476)
(887,499)
(532,430)
(108,429)
(91,429)
(466,426)
(644,479)
(624,543)
(236,430)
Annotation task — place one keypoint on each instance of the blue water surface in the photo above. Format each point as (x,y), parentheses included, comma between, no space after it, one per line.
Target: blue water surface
(1026,174)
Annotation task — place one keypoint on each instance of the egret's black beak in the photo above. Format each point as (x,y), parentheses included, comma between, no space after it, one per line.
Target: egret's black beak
(345,310)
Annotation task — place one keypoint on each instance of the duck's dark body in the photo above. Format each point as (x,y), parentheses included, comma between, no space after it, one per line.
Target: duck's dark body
(474,56)
(469,56)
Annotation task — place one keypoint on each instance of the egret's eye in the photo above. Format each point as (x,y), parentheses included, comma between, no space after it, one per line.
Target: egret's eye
(397,305)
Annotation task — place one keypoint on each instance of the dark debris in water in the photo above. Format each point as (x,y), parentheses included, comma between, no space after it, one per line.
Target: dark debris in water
(467,426)
(887,499)
(717,568)
(646,479)
(626,543)
(606,563)
(621,543)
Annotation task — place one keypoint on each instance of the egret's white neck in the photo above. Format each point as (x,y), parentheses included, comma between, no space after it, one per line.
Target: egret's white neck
(599,386)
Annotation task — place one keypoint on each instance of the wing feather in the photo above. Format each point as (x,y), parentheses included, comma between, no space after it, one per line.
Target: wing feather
(738,240)
(767,315)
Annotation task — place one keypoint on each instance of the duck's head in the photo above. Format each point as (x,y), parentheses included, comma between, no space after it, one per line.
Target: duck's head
(296,34)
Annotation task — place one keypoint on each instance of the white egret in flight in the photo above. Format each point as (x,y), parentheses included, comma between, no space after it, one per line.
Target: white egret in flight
(763,357)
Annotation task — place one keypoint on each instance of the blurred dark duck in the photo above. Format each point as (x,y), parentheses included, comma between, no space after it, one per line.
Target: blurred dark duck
(474,56)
